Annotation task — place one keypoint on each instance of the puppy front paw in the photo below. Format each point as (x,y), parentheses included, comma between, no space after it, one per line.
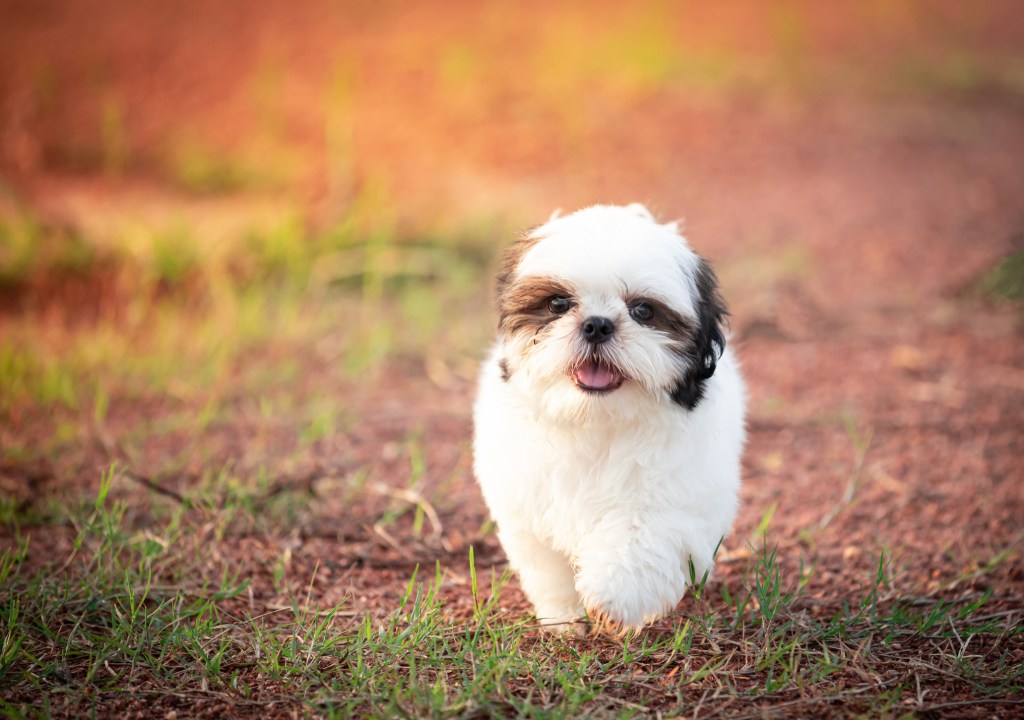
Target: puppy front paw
(619,597)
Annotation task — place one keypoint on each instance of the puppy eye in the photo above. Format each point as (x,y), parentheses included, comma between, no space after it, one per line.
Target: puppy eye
(559,305)
(641,312)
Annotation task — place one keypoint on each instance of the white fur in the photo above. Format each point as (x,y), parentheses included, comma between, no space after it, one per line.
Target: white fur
(604,501)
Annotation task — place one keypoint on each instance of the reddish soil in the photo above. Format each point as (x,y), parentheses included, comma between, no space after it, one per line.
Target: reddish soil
(851,220)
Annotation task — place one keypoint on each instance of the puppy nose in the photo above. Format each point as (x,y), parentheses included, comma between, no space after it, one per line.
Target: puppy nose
(597,329)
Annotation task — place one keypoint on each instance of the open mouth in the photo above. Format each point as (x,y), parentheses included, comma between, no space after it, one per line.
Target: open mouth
(596,377)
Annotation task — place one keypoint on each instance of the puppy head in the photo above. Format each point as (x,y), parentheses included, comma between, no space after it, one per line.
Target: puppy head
(604,312)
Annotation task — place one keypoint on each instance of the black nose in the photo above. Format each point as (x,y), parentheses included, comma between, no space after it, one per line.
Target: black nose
(597,329)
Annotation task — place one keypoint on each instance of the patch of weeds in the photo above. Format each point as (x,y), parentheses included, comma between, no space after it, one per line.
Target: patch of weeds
(410,500)
(26,376)
(30,248)
(199,167)
(20,235)
(957,72)
(95,636)
(1005,281)
(175,256)
(193,311)
(420,660)
(279,252)
(258,500)
(321,425)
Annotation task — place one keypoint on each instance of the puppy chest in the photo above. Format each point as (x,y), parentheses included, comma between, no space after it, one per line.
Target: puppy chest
(574,494)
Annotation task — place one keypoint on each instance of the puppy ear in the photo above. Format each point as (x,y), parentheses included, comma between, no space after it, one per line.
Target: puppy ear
(640,210)
(708,342)
(510,260)
(711,315)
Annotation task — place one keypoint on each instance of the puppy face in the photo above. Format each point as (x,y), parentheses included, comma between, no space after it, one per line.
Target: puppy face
(606,311)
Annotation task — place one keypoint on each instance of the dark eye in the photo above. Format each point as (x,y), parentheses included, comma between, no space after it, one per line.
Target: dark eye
(559,305)
(641,312)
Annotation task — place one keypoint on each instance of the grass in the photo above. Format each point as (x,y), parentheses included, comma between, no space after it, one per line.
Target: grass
(134,611)
(1005,281)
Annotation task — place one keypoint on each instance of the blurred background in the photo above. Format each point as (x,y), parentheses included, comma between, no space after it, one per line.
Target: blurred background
(246,248)
(194,148)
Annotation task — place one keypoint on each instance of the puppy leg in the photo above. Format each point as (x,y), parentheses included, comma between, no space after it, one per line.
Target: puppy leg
(548,580)
(628,578)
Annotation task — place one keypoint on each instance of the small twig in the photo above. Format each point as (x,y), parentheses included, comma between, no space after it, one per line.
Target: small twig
(157,488)
(379,531)
(414,497)
(311,611)
(963,643)
(962,703)
(843,694)
(115,452)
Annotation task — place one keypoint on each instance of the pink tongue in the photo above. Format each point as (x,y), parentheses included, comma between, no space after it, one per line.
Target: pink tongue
(594,375)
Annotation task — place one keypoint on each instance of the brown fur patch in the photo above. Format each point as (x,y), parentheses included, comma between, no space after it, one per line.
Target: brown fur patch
(510,261)
(678,327)
(523,306)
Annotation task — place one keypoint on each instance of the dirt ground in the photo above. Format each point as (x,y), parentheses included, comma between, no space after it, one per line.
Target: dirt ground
(852,213)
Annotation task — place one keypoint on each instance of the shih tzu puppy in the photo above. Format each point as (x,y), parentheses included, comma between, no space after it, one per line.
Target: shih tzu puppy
(609,418)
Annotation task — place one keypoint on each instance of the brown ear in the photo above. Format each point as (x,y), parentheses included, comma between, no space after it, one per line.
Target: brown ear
(510,260)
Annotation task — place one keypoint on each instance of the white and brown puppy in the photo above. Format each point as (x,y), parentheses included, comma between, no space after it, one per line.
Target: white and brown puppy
(609,419)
